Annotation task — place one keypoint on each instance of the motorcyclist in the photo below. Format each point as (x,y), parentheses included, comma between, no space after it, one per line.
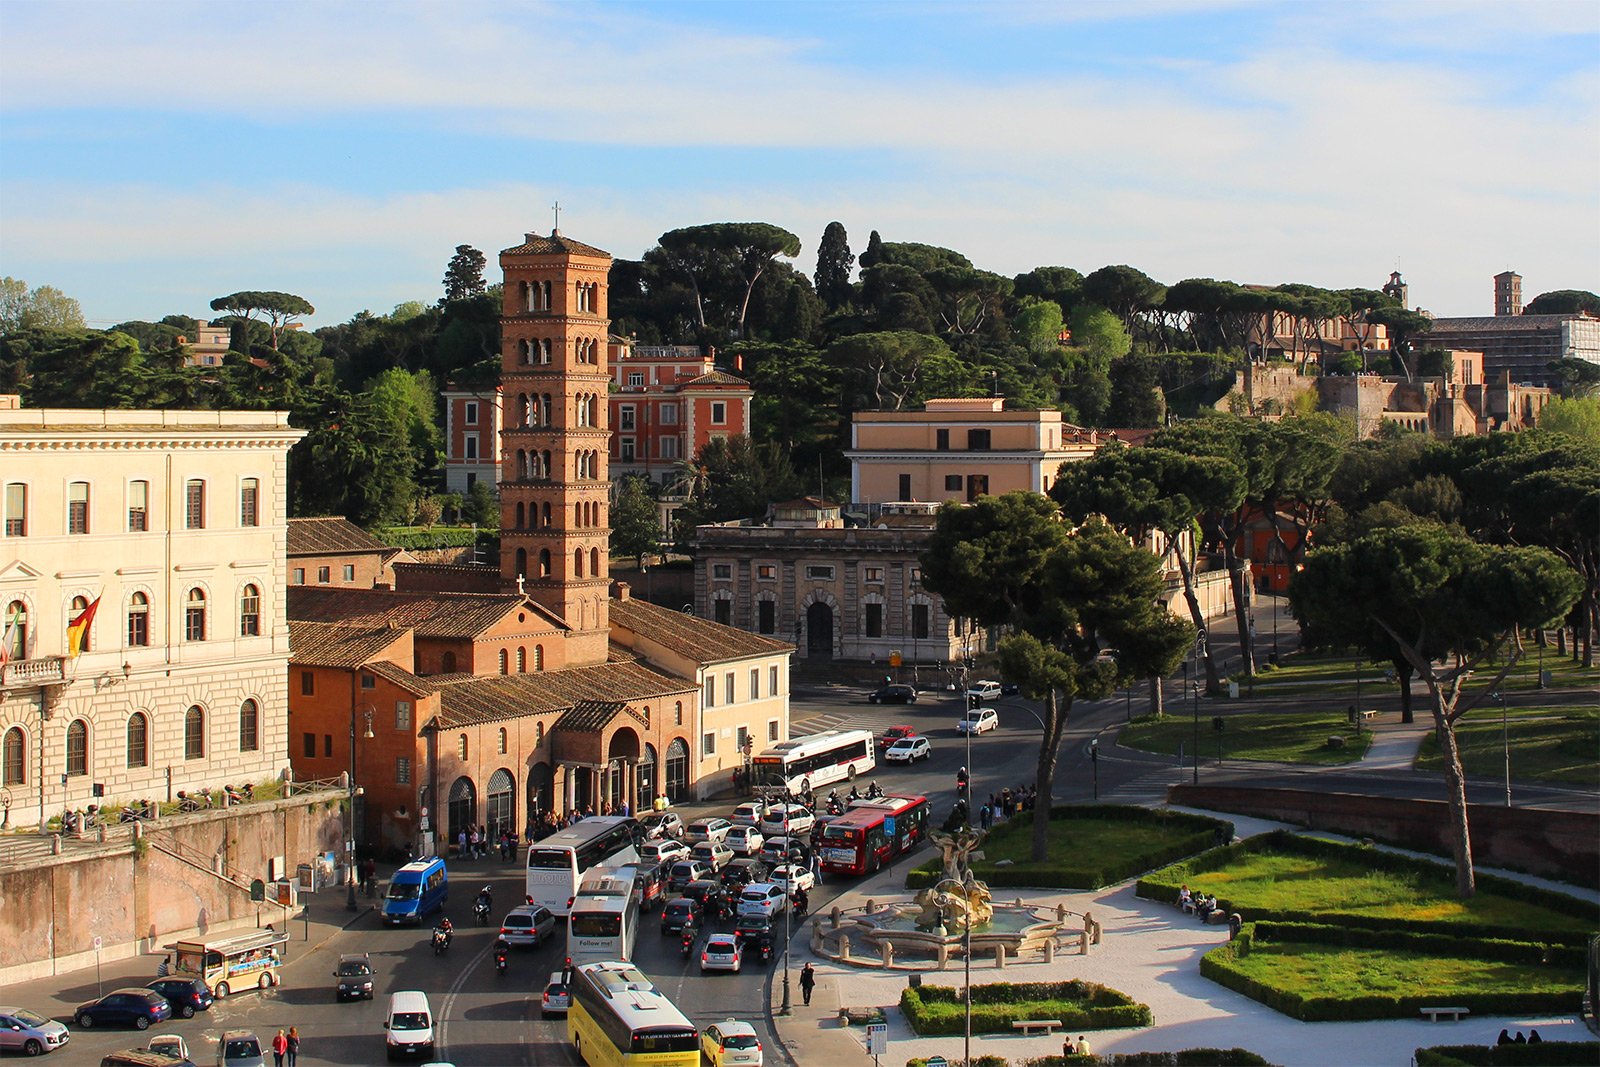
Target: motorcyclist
(855,794)
(961,782)
(874,790)
(688,940)
(502,949)
(802,903)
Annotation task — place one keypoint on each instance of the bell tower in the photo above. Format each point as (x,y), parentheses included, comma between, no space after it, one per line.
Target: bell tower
(554,482)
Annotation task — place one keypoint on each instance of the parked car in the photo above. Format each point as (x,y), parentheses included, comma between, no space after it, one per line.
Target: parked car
(239,1048)
(186,995)
(749,813)
(354,975)
(742,871)
(660,824)
(893,694)
(169,1045)
(763,898)
(707,830)
(778,850)
(908,750)
(143,1057)
(721,953)
(787,819)
(731,1044)
(680,913)
(744,840)
(664,850)
(557,997)
(528,924)
(685,871)
(30,1033)
(135,1006)
(792,876)
(986,689)
(978,720)
(714,854)
(893,734)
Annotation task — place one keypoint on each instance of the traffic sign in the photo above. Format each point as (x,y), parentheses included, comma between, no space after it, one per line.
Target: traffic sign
(98,941)
(877,1038)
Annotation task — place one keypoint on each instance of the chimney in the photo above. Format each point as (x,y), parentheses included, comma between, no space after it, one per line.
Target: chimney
(622,591)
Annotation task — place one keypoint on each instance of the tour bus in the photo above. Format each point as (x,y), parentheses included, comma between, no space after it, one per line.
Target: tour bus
(558,864)
(604,921)
(872,833)
(813,761)
(618,1017)
(230,964)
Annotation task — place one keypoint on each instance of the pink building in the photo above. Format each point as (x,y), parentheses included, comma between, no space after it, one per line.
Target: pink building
(667,402)
(472,438)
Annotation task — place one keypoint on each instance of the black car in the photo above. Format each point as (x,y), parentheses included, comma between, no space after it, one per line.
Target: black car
(743,871)
(893,694)
(354,975)
(754,932)
(135,1006)
(705,892)
(679,915)
(186,995)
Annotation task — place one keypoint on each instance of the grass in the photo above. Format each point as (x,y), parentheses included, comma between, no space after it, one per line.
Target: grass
(1335,676)
(1283,737)
(1552,746)
(1079,1005)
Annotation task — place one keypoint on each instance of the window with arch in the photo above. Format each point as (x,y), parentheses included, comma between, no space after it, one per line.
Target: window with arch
(505,664)
(138,621)
(138,740)
(505,741)
(544,513)
(461,746)
(194,615)
(538,734)
(544,557)
(577,563)
(14,758)
(647,716)
(546,470)
(250,612)
(14,627)
(594,561)
(77,749)
(522,662)
(677,713)
(447,663)
(522,560)
(538,657)
(80,604)
(194,733)
(249,726)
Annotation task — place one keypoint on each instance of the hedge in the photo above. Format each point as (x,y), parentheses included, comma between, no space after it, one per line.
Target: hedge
(1163,885)
(997,1005)
(977,1061)
(1554,1053)
(1105,870)
(1427,944)
(1189,1057)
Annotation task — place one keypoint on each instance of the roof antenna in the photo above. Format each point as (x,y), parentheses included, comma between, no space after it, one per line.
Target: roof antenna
(557,231)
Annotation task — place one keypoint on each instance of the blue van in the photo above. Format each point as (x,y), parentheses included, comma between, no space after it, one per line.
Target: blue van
(416,889)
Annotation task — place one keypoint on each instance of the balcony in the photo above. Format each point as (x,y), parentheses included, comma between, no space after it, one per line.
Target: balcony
(33,673)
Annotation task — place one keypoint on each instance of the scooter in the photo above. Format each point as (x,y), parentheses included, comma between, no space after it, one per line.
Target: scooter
(480,910)
(688,944)
(441,940)
(501,949)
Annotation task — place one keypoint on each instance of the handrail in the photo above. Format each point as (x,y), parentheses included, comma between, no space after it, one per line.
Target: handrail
(195,858)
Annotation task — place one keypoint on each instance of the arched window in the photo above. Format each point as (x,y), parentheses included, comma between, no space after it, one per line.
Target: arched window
(522,662)
(80,604)
(538,657)
(194,733)
(447,663)
(78,748)
(505,663)
(538,734)
(594,562)
(647,716)
(546,513)
(544,561)
(545,469)
(16,618)
(522,560)
(677,713)
(250,612)
(194,615)
(138,740)
(521,512)
(504,740)
(15,762)
(461,746)
(249,727)
(138,621)
(577,563)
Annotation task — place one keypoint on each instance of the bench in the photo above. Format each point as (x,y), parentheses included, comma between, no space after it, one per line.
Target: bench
(1028,1026)
(1369,714)
(1454,1013)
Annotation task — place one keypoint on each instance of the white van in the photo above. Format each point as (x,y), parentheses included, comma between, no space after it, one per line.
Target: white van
(408,1028)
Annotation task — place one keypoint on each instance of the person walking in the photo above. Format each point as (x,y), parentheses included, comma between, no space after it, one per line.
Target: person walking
(294,1045)
(280,1045)
(808,982)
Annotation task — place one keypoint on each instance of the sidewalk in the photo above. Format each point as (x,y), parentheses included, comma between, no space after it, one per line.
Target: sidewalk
(1149,951)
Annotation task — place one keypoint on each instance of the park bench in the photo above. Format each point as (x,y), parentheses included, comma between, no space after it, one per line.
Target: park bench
(1454,1013)
(1028,1026)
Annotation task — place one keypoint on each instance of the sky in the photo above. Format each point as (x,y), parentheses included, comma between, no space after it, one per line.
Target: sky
(154,155)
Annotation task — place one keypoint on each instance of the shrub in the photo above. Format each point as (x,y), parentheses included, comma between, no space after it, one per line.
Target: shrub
(977,1061)
(1080,1006)
(1553,1053)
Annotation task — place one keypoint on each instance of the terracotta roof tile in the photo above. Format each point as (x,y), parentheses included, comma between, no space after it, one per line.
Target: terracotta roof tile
(700,639)
(319,644)
(715,377)
(588,716)
(509,696)
(429,614)
(398,675)
(332,534)
(538,244)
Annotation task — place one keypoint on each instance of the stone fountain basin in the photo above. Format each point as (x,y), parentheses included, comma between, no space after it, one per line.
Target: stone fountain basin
(1012,926)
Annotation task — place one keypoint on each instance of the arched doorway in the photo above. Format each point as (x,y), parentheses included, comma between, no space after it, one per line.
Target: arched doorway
(677,776)
(620,752)
(819,630)
(541,789)
(647,776)
(501,806)
(463,807)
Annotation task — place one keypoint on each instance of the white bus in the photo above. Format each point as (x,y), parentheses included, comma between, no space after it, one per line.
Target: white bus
(604,921)
(813,761)
(618,1017)
(558,864)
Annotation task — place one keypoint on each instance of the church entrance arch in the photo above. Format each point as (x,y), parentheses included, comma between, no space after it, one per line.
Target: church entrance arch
(463,807)
(677,776)
(501,803)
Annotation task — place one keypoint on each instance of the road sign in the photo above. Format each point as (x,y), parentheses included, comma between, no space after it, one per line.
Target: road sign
(888,826)
(98,942)
(895,659)
(877,1038)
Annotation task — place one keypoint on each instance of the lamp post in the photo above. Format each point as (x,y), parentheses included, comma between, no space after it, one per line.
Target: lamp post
(350,819)
(788,935)
(946,899)
(1505,741)
(1094,765)
(1195,653)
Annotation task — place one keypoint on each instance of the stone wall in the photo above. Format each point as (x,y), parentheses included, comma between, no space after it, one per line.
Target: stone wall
(138,897)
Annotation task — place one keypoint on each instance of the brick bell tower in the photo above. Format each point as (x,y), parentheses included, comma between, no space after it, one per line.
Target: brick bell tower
(554,487)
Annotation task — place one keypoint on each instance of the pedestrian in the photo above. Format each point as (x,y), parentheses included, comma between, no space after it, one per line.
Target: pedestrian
(164,968)
(294,1045)
(1519,1039)
(808,981)
(280,1045)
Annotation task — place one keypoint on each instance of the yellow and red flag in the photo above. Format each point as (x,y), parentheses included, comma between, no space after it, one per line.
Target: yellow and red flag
(78,628)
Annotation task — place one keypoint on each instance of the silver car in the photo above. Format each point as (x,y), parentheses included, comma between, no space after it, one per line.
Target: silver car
(240,1048)
(30,1033)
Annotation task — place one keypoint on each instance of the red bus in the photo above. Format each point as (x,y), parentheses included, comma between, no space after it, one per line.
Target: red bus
(872,833)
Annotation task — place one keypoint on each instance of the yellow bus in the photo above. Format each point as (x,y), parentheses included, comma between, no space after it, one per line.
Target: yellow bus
(619,1019)
(230,964)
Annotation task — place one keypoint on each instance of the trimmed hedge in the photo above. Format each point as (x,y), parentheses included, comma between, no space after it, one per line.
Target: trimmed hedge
(1554,1053)
(1087,872)
(997,1005)
(1163,885)
(1189,1057)
(1426,944)
(977,1061)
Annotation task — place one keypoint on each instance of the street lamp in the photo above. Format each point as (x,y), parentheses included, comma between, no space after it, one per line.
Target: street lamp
(1094,764)
(350,817)
(1505,740)
(945,899)
(1195,653)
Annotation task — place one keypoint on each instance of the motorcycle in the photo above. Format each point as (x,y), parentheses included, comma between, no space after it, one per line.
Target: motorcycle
(688,944)
(501,950)
(441,940)
(480,910)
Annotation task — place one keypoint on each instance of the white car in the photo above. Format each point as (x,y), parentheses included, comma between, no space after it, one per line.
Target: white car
(787,819)
(763,898)
(792,876)
(749,813)
(169,1045)
(721,953)
(978,720)
(707,830)
(908,750)
(986,689)
(664,851)
(744,840)
(731,1044)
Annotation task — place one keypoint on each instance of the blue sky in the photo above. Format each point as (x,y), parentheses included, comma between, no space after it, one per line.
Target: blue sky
(155,155)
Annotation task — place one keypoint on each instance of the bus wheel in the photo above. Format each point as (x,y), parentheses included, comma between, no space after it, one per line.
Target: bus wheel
(221,992)
(266,980)
(805,786)
(852,772)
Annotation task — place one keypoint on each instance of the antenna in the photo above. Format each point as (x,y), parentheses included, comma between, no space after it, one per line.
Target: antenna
(557,207)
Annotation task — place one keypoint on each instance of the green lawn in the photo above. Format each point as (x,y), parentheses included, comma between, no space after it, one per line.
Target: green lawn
(1336,676)
(1284,737)
(1551,745)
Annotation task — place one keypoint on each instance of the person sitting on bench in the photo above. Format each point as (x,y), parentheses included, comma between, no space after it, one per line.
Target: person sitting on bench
(1185,899)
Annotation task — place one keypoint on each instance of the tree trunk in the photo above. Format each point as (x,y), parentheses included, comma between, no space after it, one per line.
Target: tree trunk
(1241,614)
(1186,570)
(1455,783)
(1056,710)
(1157,700)
(1402,674)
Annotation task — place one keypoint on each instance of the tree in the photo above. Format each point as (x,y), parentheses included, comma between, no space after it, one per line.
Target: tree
(874,251)
(1577,417)
(44,308)
(1037,326)
(1356,308)
(1136,399)
(1563,302)
(479,507)
(1435,594)
(735,478)
(1059,284)
(895,367)
(635,524)
(463,276)
(1100,334)
(731,255)
(834,261)
(277,310)
(1126,291)
(1574,377)
(1403,325)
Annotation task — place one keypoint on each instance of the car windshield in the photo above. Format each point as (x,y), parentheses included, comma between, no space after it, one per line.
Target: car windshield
(240,1047)
(755,922)
(739,1041)
(404,892)
(353,970)
(28,1018)
(409,1020)
(680,907)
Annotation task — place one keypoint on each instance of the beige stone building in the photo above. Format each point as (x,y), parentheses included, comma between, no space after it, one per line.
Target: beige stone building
(172,523)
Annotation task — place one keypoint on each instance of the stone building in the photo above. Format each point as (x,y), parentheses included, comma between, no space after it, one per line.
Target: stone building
(333,551)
